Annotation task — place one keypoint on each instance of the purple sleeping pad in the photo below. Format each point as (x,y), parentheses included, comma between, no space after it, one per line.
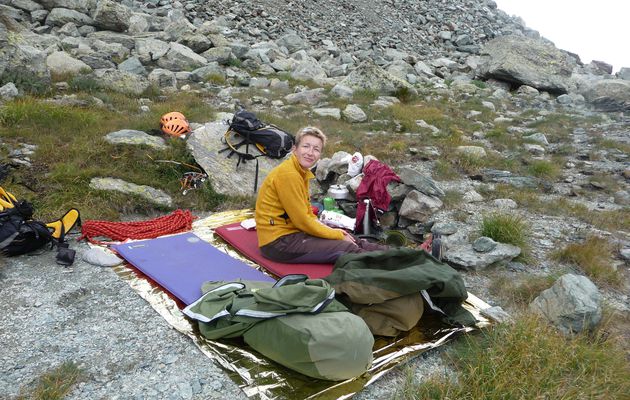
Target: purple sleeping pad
(182,263)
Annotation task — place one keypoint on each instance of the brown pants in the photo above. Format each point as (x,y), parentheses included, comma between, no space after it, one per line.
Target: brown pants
(300,248)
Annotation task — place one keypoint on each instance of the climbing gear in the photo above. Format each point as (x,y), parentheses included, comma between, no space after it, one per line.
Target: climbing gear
(176,222)
(174,124)
(246,129)
(63,225)
(7,200)
(191,181)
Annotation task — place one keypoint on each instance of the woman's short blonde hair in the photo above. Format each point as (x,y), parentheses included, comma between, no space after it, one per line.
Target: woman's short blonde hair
(310,131)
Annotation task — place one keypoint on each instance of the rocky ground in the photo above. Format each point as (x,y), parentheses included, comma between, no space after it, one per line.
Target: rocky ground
(438,49)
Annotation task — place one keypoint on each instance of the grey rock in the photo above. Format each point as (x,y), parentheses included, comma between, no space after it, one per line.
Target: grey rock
(222,55)
(181,58)
(61,16)
(444,228)
(537,137)
(195,41)
(608,94)
(110,15)
(505,204)
(526,61)
(463,255)
(472,151)
(122,82)
(353,114)
(624,73)
(61,63)
(9,91)
(150,50)
(419,182)
(370,76)
(418,206)
(309,96)
(497,314)
(342,91)
(309,70)
(132,137)
(133,66)
(148,193)
(204,142)
(329,112)
(292,42)
(484,244)
(207,72)
(101,257)
(572,304)
(472,196)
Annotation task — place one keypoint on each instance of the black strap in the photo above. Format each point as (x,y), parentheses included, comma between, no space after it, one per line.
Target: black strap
(256,178)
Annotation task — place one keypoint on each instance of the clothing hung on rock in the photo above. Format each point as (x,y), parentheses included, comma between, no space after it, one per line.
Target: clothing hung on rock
(376,177)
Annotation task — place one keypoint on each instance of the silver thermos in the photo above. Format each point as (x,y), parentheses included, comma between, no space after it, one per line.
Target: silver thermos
(366,217)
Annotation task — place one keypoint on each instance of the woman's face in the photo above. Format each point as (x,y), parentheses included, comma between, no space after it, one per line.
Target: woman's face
(308,151)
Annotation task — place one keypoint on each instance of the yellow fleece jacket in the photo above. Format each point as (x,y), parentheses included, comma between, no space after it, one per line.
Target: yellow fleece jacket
(283,205)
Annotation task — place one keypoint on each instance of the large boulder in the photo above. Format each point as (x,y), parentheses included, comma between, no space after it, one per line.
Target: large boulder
(370,76)
(573,304)
(25,66)
(121,81)
(181,58)
(61,63)
(61,16)
(525,61)
(111,16)
(608,94)
(205,142)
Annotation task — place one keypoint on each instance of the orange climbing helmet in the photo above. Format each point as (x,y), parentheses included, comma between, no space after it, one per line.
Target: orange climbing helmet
(174,124)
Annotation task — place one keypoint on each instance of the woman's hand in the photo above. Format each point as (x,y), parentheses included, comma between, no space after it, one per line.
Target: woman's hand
(347,237)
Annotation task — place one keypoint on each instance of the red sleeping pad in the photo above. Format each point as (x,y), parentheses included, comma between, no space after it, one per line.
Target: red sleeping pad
(247,243)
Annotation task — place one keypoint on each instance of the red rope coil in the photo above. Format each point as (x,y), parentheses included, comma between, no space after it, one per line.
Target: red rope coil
(177,221)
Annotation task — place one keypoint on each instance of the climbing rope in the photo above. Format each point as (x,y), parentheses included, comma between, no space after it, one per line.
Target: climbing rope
(177,221)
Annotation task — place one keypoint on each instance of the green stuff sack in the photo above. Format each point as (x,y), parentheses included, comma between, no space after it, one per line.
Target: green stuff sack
(296,323)
(331,345)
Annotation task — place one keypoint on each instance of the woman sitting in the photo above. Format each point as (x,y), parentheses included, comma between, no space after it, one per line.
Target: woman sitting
(287,229)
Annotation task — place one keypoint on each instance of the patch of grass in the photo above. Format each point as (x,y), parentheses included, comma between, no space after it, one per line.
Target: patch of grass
(594,257)
(520,292)
(506,228)
(27,82)
(55,384)
(452,198)
(71,151)
(404,94)
(365,95)
(530,360)
(543,169)
(444,170)
(556,127)
(217,79)
(479,84)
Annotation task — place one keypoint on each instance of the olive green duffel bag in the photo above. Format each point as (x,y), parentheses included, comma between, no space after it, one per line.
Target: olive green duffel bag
(297,323)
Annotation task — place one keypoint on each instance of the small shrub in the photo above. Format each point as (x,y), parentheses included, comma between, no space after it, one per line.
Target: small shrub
(479,84)
(543,169)
(506,228)
(83,83)
(594,257)
(452,198)
(365,95)
(444,170)
(55,384)
(216,79)
(404,94)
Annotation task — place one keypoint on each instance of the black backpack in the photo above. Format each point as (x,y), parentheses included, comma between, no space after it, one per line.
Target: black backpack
(250,138)
(19,233)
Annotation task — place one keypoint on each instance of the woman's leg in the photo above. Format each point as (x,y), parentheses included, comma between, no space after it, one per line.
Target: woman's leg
(298,248)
